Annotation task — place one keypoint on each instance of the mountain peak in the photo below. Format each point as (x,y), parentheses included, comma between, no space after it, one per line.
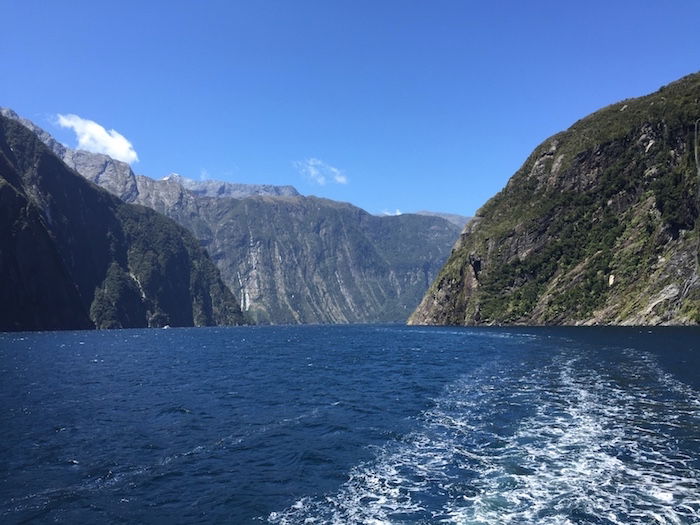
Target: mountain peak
(217,188)
(117,176)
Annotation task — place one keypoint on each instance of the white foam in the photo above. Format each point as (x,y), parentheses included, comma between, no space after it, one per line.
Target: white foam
(589,449)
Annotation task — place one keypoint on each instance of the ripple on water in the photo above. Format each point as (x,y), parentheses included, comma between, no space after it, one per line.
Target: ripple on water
(580,448)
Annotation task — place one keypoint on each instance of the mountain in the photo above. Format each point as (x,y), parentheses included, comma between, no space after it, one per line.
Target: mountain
(296,259)
(74,256)
(289,258)
(458,220)
(599,226)
(311,260)
(117,177)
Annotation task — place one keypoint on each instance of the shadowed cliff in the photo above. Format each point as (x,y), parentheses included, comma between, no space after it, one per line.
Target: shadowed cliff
(74,256)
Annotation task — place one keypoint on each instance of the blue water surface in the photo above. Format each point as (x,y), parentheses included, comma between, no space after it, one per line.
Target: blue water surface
(351,424)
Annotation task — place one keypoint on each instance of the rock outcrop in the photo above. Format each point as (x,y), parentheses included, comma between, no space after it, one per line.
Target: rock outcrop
(217,188)
(599,226)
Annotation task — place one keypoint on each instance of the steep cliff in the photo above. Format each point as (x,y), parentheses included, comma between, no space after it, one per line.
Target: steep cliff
(311,260)
(599,226)
(74,256)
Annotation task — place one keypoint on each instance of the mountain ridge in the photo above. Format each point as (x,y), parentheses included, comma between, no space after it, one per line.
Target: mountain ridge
(456,219)
(119,179)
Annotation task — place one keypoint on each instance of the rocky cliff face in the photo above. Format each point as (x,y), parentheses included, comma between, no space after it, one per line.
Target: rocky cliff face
(294,259)
(310,260)
(290,259)
(37,291)
(599,226)
(74,256)
(113,175)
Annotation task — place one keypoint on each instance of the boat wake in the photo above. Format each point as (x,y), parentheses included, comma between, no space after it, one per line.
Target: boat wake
(576,440)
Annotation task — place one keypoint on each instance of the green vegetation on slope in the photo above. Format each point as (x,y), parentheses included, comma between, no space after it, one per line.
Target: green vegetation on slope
(600,225)
(123,265)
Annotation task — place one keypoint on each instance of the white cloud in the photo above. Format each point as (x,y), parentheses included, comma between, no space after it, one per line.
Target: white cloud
(204,174)
(93,137)
(319,172)
(397,212)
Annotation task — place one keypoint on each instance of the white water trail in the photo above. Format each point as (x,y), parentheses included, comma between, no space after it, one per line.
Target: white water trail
(569,442)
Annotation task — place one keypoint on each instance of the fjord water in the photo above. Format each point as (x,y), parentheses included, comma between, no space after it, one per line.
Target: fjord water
(351,424)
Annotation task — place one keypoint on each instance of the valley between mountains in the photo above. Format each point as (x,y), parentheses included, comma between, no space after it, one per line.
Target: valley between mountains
(599,226)
(287,258)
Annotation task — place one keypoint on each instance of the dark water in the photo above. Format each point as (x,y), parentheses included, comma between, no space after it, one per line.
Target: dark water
(359,424)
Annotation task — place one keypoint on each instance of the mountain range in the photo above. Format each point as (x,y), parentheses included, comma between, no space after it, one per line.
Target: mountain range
(288,258)
(599,226)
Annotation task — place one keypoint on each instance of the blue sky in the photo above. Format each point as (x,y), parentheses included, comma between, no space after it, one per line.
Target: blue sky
(392,104)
